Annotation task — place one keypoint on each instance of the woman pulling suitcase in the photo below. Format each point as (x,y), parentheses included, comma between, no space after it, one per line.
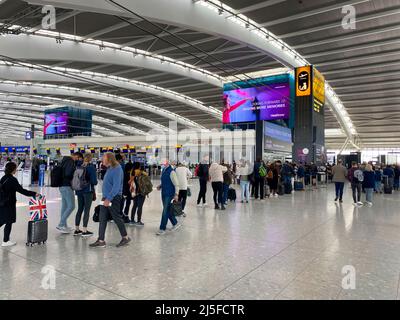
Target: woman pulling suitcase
(9,186)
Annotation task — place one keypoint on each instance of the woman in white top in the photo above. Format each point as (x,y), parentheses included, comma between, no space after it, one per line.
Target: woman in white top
(244,172)
(183,174)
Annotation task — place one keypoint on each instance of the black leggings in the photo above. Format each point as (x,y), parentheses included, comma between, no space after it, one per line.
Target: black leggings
(7,231)
(218,188)
(138,202)
(202,192)
(182,198)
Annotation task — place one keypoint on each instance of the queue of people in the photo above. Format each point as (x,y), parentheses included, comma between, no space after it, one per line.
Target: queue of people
(124,183)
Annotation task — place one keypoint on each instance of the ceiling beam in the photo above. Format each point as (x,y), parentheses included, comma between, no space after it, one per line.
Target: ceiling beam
(109,29)
(312,12)
(338,24)
(349,36)
(260,5)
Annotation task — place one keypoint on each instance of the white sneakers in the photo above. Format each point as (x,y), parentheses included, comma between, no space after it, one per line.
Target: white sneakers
(63,230)
(174,228)
(8,244)
(360,204)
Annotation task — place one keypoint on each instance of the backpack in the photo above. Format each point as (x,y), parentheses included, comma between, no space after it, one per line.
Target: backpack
(3,196)
(145,185)
(79,181)
(228,177)
(358,174)
(262,171)
(56,176)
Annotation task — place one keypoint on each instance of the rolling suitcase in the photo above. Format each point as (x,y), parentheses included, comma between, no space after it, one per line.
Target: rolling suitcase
(298,186)
(232,194)
(281,190)
(37,232)
(288,188)
(387,189)
(267,190)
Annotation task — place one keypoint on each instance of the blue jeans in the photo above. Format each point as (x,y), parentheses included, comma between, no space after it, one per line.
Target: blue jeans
(225,193)
(244,185)
(378,186)
(368,194)
(339,186)
(166,213)
(67,204)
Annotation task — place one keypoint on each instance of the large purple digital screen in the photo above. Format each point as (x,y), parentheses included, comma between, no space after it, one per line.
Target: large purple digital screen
(56,123)
(257,103)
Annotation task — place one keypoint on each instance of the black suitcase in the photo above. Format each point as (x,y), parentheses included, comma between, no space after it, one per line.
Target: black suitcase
(298,186)
(232,194)
(387,189)
(37,232)
(281,190)
(288,188)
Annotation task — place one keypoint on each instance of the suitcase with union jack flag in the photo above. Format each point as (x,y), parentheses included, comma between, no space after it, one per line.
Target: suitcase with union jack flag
(37,226)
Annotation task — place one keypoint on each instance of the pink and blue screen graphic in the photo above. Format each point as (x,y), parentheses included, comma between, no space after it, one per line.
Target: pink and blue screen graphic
(271,102)
(56,123)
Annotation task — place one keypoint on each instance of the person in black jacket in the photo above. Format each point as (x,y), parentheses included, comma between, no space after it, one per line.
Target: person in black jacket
(203,176)
(8,213)
(67,194)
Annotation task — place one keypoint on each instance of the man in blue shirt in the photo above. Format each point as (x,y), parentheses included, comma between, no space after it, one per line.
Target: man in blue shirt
(112,196)
(388,173)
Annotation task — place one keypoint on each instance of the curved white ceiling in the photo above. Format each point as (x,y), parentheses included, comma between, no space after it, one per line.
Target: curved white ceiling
(32,98)
(13,108)
(28,72)
(215,18)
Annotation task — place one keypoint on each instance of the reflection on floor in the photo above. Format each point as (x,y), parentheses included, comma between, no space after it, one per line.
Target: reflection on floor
(292,247)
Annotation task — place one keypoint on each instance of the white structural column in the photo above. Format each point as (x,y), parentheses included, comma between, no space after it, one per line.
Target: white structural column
(205,16)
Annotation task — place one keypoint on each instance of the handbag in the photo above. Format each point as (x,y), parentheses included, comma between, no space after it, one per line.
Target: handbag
(189,192)
(176,208)
(97,210)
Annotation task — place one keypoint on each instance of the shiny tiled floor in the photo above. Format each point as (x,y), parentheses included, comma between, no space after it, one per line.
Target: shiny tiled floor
(293,247)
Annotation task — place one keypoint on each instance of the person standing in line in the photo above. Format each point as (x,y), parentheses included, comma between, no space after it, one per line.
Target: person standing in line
(228,180)
(139,197)
(121,160)
(356,178)
(217,181)
(112,196)
(243,171)
(67,194)
(126,193)
(259,179)
(203,175)
(169,192)
(378,180)
(183,174)
(86,196)
(339,174)
(388,172)
(396,183)
(8,212)
(369,184)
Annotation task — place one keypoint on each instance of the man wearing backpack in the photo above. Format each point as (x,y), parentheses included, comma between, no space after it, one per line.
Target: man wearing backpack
(65,175)
(260,172)
(356,177)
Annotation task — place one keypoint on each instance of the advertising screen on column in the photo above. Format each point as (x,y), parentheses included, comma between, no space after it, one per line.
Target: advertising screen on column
(56,123)
(258,102)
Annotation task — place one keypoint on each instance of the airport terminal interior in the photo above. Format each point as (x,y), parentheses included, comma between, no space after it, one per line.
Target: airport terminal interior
(199,150)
